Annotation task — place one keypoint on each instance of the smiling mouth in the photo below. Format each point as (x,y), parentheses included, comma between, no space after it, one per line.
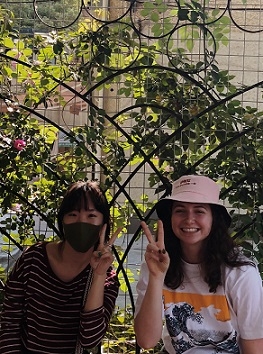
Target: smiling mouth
(190,229)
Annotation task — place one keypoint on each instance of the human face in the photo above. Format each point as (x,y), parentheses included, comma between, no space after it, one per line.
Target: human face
(89,215)
(191,222)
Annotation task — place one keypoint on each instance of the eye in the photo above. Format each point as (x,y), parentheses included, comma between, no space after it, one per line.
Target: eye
(72,213)
(178,210)
(200,211)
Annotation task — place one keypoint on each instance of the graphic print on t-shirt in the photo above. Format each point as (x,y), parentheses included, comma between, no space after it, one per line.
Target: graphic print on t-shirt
(195,320)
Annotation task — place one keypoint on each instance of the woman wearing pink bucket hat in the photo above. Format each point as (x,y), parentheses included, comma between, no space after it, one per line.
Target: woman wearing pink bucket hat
(196,289)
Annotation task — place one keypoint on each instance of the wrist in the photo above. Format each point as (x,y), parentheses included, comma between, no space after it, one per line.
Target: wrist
(157,278)
(99,277)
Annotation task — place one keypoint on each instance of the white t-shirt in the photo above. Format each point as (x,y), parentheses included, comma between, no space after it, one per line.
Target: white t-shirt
(200,322)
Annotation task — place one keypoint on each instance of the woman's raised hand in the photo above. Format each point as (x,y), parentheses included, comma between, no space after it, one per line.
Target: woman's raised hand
(156,256)
(102,258)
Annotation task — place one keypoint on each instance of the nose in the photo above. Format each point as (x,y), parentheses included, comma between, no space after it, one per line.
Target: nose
(189,216)
(82,216)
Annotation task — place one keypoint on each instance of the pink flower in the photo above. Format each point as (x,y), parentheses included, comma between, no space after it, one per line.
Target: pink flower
(19,144)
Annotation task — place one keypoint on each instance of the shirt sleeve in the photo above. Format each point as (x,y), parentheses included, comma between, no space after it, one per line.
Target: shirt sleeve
(94,324)
(12,310)
(245,294)
(141,287)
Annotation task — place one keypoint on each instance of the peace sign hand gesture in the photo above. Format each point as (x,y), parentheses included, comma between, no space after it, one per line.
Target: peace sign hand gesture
(102,258)
(156,256)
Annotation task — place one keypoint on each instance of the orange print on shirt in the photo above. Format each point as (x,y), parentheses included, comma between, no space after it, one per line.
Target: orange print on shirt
(198,301)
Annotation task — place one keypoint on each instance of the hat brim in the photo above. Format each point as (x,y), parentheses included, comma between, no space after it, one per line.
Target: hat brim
(163,207)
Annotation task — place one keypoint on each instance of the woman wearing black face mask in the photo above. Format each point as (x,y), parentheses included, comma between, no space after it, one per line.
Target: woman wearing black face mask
(60,296)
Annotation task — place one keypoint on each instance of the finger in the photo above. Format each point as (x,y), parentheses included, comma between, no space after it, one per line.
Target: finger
(105,255)
(114,236)
(147,232)
(160,234)
(102,234)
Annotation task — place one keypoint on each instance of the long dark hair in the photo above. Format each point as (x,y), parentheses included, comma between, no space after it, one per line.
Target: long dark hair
(77,196)
(220,249)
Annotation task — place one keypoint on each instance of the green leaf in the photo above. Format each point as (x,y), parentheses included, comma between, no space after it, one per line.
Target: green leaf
(155,16)
(8,42)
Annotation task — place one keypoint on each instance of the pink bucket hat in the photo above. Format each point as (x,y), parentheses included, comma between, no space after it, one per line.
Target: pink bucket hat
(193,189)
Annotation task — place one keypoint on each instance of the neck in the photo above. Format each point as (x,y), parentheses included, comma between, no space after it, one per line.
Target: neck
(192,255)
(69,255)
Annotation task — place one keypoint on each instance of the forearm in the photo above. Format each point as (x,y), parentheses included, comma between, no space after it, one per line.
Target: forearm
(253,346)
(10,338)
(94,323)
(93,326)
(95,296)
(11,319)
(148,323)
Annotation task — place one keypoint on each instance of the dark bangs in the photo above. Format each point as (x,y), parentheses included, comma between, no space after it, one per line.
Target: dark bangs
(77,198)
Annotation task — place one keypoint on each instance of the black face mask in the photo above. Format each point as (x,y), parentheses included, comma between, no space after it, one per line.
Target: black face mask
(81,236)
